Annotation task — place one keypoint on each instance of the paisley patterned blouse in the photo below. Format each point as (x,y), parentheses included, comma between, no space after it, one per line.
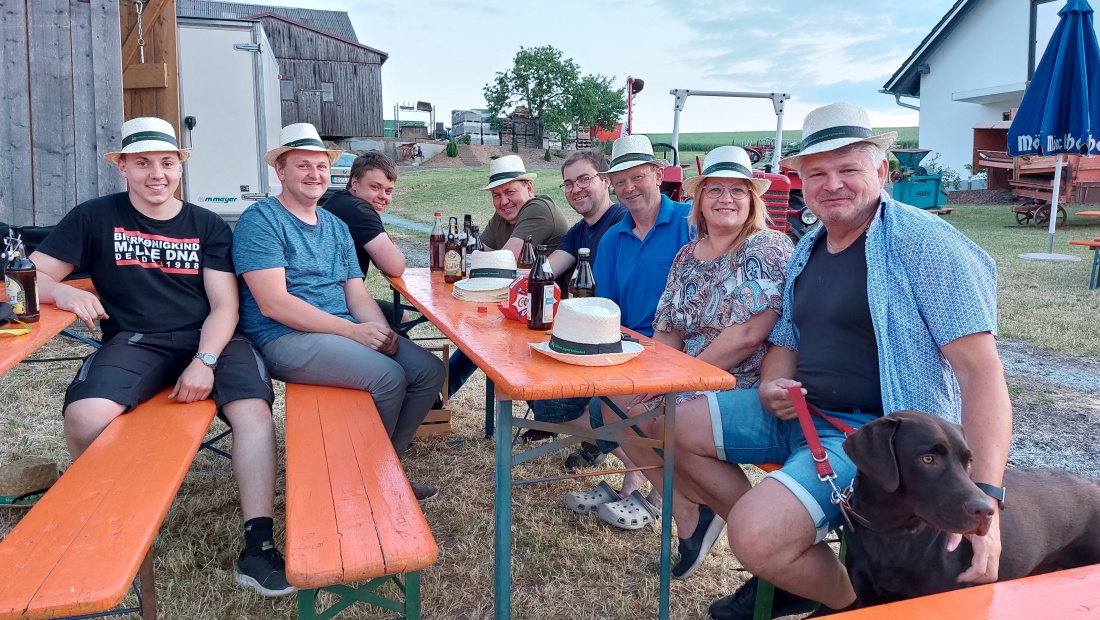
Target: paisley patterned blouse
(702,298)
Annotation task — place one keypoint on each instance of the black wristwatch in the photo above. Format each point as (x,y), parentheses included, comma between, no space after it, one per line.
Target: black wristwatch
(997,493)
(208,359)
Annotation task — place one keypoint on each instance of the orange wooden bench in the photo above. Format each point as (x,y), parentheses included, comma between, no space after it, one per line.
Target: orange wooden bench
(350,513)
(1095,245)
(77,551)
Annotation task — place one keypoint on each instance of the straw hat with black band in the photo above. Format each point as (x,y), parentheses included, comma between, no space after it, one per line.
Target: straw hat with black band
(300,136)
(147,134)
(835,126)
(631,151)
(587,333)
(507,169)
(727,162)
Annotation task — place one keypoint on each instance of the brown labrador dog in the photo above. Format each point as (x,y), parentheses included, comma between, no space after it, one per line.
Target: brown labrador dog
(913,488)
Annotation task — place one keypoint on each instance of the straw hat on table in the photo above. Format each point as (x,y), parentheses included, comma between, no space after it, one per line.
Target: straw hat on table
(586,333)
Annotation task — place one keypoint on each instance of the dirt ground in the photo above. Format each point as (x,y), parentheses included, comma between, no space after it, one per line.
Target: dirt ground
(533,159)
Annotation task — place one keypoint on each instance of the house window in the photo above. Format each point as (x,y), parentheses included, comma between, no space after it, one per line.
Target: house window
(327,92)
(286,90)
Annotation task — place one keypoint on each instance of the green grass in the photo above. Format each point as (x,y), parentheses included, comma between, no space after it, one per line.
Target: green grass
(706,141)
(1047,305)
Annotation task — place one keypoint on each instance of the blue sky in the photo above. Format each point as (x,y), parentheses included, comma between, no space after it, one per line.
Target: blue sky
(445,51)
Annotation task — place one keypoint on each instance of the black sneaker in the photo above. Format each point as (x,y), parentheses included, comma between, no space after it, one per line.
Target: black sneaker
(694,549)
(264,572)
(588,455)
(533,434)
(741,605)
(423,491)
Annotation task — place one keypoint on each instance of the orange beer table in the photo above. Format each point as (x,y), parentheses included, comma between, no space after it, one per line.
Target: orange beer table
(51,322)
(500,348)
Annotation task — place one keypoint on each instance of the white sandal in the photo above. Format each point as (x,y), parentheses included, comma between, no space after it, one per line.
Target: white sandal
(631,513)
(584,503)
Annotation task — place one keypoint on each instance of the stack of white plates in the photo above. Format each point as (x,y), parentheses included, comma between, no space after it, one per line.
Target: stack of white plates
(482,290)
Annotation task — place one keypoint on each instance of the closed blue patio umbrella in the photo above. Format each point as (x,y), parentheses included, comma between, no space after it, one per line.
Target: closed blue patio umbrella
(1060,112)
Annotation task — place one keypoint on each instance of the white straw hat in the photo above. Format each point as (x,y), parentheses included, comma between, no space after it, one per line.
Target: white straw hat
(835,126)
(727,162)
(302,136)
(490,275)
(586,333)
(147,134)
(507,169)
(631,151)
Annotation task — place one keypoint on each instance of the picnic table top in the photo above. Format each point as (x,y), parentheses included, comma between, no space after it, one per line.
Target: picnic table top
(499,346)
(51,322)
(1063,594)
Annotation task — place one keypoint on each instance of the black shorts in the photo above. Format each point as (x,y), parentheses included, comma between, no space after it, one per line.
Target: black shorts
(131,368)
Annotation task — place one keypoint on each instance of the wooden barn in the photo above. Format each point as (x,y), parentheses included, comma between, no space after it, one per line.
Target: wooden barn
(328,77)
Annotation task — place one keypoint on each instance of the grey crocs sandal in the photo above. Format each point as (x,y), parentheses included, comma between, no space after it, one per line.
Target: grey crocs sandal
(584,503)
(631,513)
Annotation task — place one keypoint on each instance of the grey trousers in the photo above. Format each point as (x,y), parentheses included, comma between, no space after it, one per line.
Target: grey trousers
(403,386)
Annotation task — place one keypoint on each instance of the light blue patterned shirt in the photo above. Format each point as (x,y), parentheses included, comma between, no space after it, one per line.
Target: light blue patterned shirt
(927,285)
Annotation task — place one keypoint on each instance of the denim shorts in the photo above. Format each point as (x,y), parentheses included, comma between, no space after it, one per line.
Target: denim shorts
(558,410)
(745,432)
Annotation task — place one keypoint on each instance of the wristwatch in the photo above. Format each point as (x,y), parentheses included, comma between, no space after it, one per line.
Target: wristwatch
(208,359)
(997,493)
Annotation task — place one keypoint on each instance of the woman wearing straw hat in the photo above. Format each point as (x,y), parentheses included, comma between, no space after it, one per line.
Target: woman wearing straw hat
(721,301)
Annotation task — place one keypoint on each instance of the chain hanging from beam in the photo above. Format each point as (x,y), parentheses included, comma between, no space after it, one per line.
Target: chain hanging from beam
(139,6)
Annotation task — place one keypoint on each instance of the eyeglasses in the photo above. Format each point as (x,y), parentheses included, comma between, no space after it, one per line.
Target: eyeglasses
(715,192)
(582,182)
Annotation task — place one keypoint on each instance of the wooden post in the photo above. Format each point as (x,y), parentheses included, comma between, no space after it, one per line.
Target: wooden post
(151,88)
(148,587)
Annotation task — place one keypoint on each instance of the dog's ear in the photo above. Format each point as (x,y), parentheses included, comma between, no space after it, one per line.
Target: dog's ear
(871,448)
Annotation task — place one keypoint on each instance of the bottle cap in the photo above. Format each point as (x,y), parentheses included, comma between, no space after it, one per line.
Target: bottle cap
(439,214)
(482,309)
(584,252)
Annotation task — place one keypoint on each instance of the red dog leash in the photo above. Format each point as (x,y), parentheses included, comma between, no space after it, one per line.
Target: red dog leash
(825,471)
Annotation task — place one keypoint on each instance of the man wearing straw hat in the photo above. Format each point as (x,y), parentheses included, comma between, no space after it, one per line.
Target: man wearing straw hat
(519,212)
(168,307)
(305,305)
(885,308)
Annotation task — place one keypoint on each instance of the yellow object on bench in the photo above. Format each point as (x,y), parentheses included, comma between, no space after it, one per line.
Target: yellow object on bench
(78,549)
(350,513)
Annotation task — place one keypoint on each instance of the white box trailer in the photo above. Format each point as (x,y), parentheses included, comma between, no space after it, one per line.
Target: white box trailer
(231,115)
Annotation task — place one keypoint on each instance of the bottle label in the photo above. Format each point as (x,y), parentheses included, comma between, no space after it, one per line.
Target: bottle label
(17,297)
(452,263)
(548,303)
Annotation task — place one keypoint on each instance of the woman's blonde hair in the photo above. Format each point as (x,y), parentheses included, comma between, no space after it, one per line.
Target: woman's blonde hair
(757,221)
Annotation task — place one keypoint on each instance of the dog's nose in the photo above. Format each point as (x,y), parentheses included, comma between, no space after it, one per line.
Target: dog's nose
(979,508)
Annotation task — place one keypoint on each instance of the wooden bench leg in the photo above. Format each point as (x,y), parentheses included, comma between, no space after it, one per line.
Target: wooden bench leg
(148,588)
(365,593)
(1095,269)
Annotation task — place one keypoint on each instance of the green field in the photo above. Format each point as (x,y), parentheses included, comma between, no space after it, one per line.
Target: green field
(907,137)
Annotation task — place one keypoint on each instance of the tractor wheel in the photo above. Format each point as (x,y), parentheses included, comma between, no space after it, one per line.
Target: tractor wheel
(754,155)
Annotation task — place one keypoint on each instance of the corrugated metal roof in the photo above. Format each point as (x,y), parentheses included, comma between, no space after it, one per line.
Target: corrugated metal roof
(334,22)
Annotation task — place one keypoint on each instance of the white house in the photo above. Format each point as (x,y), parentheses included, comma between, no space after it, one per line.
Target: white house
(972,68)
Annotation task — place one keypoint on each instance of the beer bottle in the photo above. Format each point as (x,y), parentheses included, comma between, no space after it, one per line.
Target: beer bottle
(583,283)
(436,243)
(467,224)
(21,279)
(540,293)
(526,255)
(473,244)
(452,259)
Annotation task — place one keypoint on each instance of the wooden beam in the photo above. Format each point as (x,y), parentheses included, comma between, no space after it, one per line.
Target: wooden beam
(149,15)
(148,75)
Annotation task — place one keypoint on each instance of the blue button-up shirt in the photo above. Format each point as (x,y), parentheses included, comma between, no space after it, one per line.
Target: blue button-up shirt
(632,272)
(927,284)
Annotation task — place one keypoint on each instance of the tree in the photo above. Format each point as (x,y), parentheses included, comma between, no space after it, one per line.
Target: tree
(552,89)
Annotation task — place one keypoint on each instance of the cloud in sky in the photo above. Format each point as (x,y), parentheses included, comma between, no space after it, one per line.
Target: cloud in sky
(446,51)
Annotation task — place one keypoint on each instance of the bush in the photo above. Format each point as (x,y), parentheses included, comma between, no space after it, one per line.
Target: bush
(452,148)
(495,156)
(466,139)
(515,143)
(559,154)
(546,155)
(950,178)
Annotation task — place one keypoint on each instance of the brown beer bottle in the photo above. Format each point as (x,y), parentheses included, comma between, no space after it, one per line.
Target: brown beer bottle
(452,259)
(21,279)
(527,254)
(540,293)
(473,244)
(436,243)
(583,283)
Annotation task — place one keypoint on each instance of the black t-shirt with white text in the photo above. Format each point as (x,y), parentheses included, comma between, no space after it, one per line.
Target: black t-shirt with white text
(148,272)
